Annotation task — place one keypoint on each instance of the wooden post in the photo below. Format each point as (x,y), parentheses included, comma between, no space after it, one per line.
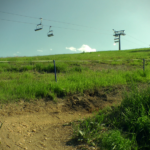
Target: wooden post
(119,43)
(143,64)
(55,70)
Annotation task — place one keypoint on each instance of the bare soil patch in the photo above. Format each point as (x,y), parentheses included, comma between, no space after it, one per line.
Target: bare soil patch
(44,125)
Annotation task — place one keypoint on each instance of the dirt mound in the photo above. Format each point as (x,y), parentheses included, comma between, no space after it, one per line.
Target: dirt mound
(44,125)
(92,100)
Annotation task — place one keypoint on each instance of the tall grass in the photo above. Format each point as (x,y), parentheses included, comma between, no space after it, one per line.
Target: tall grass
(61,67)
(34,85)
(124,127)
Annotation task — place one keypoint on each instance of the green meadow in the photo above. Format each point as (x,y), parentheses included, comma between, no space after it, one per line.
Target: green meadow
(124,127)
(25,78)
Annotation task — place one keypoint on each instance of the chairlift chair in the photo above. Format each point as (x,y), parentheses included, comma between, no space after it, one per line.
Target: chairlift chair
(49,34)
(39,26)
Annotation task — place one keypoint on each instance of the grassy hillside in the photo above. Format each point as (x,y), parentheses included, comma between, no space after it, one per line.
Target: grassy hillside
(101,55)
(33,80)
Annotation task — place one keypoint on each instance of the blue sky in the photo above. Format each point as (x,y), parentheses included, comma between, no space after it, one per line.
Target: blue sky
(78,25)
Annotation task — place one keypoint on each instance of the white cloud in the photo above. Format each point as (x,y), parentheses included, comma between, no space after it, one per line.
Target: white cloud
(86,48)
(40,50)
(83,48)
(71,48)
(16,54)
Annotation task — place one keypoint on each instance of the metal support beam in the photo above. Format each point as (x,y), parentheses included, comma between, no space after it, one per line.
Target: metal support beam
(117,35)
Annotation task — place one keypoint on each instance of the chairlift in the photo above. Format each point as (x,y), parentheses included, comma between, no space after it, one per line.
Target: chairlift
(39,26)
(116,35)
(49,34)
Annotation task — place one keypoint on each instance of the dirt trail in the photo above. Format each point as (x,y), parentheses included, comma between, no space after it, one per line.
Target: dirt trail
(43,125)
(37,131)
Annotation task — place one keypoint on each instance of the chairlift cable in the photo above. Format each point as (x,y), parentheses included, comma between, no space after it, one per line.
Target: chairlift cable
(134,42)
(45,19)
(62,27)
(49,20)
(43,25)
(16,21)
(56,27)
(137,39)
(55,21)
(18,15)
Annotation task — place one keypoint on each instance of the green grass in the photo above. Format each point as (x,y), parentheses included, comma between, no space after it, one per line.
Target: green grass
(35,80)
(124,127)
(34,85)
(104,55)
